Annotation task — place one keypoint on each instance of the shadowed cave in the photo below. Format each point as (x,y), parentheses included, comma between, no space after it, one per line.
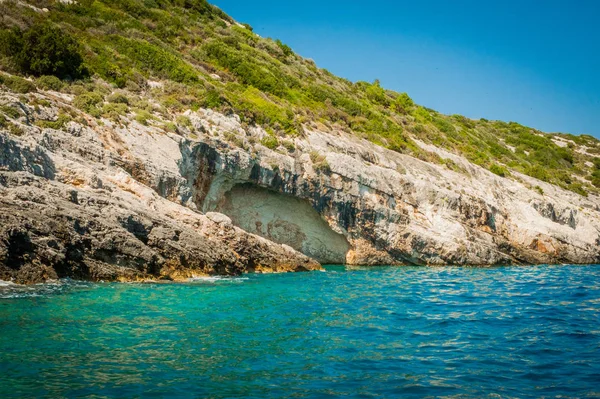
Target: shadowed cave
(286,220)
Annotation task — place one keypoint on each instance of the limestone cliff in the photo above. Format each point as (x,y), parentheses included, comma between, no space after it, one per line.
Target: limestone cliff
(86,203)
(395,209)
(105,200)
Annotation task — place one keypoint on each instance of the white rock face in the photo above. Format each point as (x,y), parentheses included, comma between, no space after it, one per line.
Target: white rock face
(393,208)
(369,205)
(110,203)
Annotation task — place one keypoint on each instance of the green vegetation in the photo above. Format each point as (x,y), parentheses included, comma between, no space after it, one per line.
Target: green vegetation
(15,130)
(184,121)
(59,123)
(595,176)
(43,49)
(539,190)
(319,162)
(10,111)
(143,117)
(88,102)
(49,82)
(270,142)
(499,170)
(201,58)
(289,145)
(118,98)
(114,111)
(17,84)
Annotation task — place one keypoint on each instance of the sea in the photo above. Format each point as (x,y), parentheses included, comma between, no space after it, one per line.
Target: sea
(346,332)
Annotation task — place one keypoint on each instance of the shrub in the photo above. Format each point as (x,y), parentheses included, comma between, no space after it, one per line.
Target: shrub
(270,142)
(289,145)
(498,170)
(17,84)
(15,130)
(254,107)
(244,65)
(213,99)
(319,162)
(376,93)
(466,122)
(538,172)
(322,166)
(59,123)
(170,127)
(578,188)
(204,8)
(88,101)
(422,114)
(3,121)
(418,128)
(118,98)
(49,82)
(403,104)
(114,111)
(43,50)
(143,117)
(155,59)
(10,111)
(444,125)
(287,51)
(184,121)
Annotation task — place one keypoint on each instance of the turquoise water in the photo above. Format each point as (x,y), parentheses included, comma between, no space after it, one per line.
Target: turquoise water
(357,333)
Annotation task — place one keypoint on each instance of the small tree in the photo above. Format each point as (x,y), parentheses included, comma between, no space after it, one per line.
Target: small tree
(498,170)
(403,104)
(376,93)
(287,51)
(43,50)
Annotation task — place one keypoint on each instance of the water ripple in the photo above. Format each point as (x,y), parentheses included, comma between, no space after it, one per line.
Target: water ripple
(352,332)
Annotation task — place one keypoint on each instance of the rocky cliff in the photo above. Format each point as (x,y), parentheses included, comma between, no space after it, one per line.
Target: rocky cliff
(109,203)
(116,199)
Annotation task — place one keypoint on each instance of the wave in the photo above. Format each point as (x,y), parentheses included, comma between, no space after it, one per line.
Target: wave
(217,279)
(10,290)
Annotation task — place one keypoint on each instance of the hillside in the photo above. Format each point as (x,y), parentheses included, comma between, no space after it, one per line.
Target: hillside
(163,140)
(205,59)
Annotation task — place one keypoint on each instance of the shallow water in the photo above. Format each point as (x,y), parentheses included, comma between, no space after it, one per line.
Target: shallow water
(523,332)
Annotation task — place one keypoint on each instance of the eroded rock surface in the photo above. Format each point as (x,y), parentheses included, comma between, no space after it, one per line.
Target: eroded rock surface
(110,201)
(395,209)
(77,202)
(285,219)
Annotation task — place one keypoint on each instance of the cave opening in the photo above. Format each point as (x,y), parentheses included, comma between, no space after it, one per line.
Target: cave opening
(284,219)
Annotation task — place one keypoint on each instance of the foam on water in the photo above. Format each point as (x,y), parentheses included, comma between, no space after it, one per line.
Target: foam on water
(217,279)
(10,290)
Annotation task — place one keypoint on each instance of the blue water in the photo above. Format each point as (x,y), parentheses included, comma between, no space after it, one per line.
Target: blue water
(523,332)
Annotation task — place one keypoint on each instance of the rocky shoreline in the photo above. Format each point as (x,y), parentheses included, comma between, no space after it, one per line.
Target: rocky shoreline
(97,199)
(50,230)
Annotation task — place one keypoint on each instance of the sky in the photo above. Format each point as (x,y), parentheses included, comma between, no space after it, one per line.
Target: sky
(536,62)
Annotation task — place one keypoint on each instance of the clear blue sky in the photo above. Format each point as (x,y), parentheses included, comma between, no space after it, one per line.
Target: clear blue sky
(536,62)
